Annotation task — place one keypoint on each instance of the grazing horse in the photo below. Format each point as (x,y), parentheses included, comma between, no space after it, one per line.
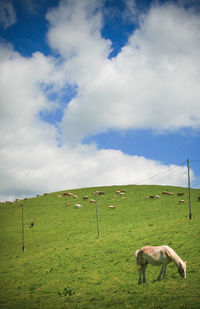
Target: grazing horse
(156,256)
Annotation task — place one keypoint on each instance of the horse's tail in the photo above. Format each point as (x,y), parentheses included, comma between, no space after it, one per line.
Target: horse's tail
(136,257)
(140,258)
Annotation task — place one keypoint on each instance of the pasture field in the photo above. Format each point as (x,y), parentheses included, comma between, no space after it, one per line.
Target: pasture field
(65,264)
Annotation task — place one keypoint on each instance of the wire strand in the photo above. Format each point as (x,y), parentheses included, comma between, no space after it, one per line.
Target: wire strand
(162,172)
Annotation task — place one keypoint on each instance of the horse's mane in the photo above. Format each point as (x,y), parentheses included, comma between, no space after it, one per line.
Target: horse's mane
(174,256)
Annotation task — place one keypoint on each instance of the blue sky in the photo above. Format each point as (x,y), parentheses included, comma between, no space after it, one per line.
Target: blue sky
(98,92)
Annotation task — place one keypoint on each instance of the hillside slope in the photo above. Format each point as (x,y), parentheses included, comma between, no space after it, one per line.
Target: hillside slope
(65,264)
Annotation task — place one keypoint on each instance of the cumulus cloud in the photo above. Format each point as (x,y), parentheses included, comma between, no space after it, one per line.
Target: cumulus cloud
(130,11)
(31,161)
(153,82)
(22,96)
(75,32)
(31,169)
(147,85)
(7,14)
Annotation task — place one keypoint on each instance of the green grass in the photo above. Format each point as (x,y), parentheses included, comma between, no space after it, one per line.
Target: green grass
(65,265)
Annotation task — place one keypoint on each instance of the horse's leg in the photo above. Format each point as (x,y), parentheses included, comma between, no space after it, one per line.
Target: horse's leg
(159,277)
(140,275)
(164,271)
(144,271)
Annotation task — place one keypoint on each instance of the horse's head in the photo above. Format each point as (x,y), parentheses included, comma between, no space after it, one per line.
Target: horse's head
(182,269)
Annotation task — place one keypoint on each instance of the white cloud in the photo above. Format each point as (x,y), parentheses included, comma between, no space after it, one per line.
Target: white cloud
(153,82)
(32,169)
(117,93)
(130,11)
(75,31)
(30,160)
(21,95)
(7,14)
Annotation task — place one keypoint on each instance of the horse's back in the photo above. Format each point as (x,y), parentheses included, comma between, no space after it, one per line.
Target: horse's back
(155,255)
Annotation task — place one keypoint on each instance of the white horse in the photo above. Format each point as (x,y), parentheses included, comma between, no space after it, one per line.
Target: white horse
(156,256)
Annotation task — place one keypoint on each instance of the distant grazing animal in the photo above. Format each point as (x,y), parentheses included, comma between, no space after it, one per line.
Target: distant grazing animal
(111,207)
(99,192)
(157,196)
(92,201)
(151,196)
(32,224)
(198,198)
(167,193)
(77,206)
(182,201)
(156,256)
(122,192)
(180,193)
(68,194)
(85,197)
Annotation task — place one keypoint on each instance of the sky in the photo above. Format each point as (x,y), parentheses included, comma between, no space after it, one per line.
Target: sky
(98,93)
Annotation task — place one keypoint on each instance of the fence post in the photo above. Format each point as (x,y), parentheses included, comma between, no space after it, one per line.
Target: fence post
(97,215)
(190,213)
(23,248)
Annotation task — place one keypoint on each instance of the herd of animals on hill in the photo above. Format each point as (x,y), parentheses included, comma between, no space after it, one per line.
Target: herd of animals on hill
(154,255)
(121,192)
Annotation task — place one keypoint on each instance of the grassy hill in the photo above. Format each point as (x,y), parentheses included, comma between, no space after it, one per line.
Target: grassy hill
(65,264)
